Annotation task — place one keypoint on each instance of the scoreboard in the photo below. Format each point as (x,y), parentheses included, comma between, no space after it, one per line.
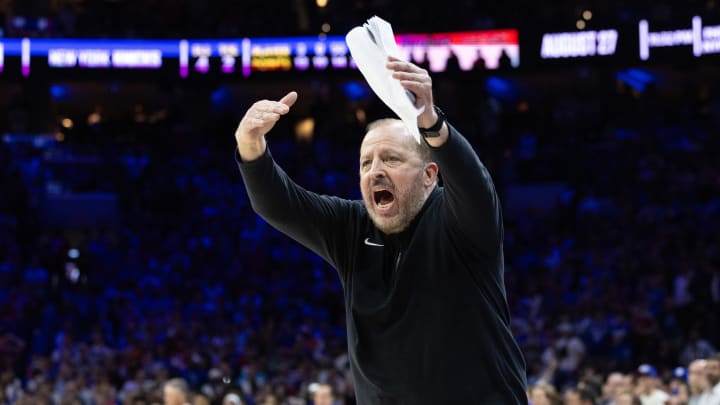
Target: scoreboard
(636,42)
(243,56)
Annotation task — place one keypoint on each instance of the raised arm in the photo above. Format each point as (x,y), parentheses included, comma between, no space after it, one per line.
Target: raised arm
(418,81)
(470,196)
(471,201)
(314,220)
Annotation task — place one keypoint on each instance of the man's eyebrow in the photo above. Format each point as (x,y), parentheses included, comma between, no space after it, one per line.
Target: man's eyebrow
(385,150)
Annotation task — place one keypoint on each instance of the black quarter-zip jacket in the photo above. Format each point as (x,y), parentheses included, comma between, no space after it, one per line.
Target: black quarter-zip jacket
(426,309)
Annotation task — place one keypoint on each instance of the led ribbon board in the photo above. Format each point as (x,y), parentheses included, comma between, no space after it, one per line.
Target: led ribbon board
(703,39)
(468,48)
(246,55)
(579,44)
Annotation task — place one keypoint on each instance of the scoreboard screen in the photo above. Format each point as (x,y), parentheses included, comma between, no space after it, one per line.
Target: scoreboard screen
(243,56)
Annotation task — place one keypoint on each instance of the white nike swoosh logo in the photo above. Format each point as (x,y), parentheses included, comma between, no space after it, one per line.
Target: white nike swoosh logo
(369,243)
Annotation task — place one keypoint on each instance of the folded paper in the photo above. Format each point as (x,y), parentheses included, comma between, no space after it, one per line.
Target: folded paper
(370,46)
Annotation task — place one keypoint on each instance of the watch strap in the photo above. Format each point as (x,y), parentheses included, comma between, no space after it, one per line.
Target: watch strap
(434,130)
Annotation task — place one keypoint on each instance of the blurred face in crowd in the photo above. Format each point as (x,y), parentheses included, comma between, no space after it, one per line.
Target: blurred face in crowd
(712,368)
(627,384)
(232,399)
(323,395)
(613,385)
(678,391)
(201,400)
(172,396)
(395,180)
(270,400)
(571,397)
(539,397)
(646,383)
(626,398)
(697,377)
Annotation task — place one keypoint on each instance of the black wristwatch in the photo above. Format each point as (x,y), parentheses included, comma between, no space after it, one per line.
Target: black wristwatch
(434,131)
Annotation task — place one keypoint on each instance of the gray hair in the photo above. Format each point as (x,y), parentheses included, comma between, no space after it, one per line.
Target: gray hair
(422,149)
(181,386)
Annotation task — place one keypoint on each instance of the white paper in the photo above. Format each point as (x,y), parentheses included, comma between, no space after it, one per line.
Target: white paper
(370,46)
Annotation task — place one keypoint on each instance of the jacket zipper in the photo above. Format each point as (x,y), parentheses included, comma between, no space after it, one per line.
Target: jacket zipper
(397,261)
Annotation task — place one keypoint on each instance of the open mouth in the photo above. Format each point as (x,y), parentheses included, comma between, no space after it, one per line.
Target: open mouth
(383,198)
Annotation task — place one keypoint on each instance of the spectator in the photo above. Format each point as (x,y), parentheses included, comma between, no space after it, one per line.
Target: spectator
(200,399)
(544,395)
(578,396)
(648,386)
(323,395)
(176,392)
(232,399)
(678,389)
(614,385)
(696,348)
(698,383)
(568,350)
(712,370)
(628,398)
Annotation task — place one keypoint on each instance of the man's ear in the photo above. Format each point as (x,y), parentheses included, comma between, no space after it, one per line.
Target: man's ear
(431,173)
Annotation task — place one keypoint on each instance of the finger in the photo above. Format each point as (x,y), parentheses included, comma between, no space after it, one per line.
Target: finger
(400,66)
(271,106)
(418,77)
(255,117)
(415,87)
(267,116)
(394,59)
(250,123)
(289,99)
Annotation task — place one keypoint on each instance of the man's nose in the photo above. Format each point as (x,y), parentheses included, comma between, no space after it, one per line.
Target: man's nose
(377,169)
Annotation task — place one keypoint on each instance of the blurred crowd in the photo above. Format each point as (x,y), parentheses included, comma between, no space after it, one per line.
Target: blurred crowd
(186,296)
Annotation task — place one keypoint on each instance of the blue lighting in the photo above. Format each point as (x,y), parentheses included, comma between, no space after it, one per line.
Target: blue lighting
(220,98)
(355,90)
(500,88)
(638,79)
(58,92)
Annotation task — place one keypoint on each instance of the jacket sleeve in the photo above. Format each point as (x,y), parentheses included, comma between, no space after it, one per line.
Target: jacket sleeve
(472,205)
(316,221)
